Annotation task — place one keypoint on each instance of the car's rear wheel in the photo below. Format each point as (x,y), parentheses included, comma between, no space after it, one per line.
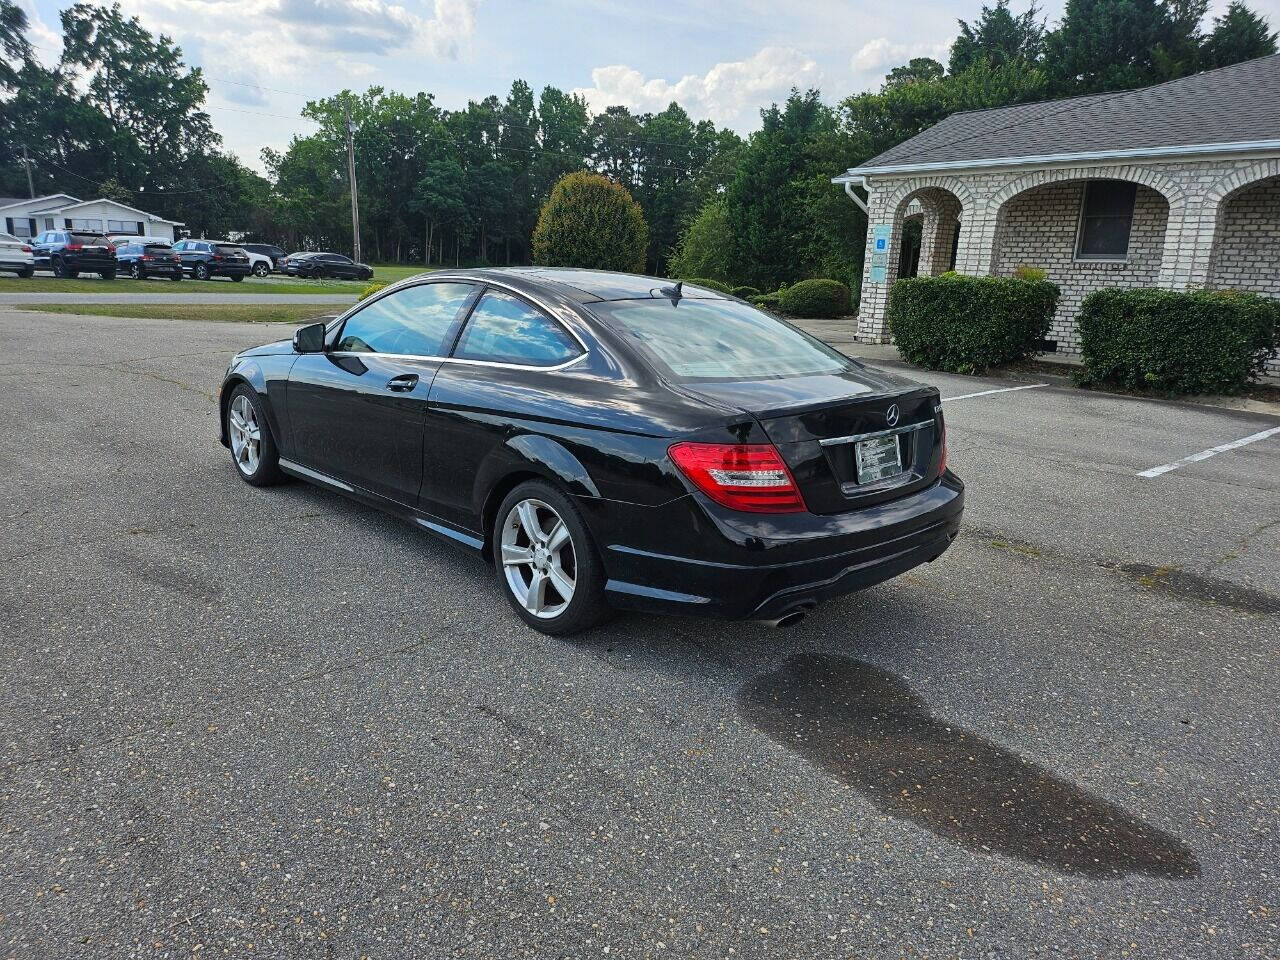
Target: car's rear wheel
(57,267)
(260,269)
(27,273)
(107,274)
(200,271)
(546,563)
(135,270)
(252,447)
(236,277)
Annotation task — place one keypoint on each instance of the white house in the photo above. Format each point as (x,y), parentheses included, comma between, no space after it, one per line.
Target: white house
(1174,186)
(61,211)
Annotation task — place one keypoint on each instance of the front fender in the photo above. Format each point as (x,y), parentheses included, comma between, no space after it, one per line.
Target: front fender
(254,371)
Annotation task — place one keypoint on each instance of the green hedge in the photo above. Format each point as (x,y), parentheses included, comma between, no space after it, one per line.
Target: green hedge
(815,298)
(965,324)
(1204,342)
(370,290)
(746,293)
(769,301)
(710,284)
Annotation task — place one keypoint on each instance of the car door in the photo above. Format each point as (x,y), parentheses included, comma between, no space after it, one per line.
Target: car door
(41,249)
(503,373)
(344,267)
(356,411)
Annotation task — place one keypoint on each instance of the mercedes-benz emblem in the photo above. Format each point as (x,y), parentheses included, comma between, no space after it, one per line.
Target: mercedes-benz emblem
(891,415)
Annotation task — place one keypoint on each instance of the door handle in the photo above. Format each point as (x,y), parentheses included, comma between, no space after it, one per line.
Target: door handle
(403,383)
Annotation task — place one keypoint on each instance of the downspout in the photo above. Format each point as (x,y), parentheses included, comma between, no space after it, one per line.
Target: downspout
(848,188)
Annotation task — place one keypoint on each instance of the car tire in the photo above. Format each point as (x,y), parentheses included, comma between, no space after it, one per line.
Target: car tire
(253,448)
(58,269)
(135,270)
(260,270)
(236,277)
(542,551)
(27,273)
(200,271)
(176,276)
(107,274)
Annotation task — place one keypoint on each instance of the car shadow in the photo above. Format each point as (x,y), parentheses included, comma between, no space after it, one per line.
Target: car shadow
(862,724)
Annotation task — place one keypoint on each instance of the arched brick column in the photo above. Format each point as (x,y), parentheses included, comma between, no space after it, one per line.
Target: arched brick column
(1200,247)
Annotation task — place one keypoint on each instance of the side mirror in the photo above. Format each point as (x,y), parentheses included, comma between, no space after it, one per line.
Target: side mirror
(309,339)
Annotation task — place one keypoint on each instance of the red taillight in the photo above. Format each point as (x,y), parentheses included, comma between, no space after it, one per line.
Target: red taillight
(742,476)
(26,249)
(74,246)
(146,256)
(217,256)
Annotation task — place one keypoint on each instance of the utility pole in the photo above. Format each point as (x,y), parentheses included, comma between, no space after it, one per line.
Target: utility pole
(26,162)
(351,174)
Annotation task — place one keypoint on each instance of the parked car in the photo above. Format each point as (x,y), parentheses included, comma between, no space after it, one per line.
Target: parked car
(317,265)
(204,259)
(69,254)
(607,441)
(16,255)
(274,254)
(116,239)
(143,260)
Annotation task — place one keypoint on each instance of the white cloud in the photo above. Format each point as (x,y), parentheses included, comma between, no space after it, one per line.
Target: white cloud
(882,54)
(730,93)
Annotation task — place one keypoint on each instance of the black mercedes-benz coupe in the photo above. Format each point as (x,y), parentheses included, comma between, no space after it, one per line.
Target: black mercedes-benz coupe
(607,441)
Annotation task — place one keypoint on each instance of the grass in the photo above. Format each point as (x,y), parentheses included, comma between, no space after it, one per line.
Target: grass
(222,312)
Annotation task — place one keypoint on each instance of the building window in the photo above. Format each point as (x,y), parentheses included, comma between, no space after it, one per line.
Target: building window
(1106,218)
(48,223)
(86,226)
(22,228)
(123,226)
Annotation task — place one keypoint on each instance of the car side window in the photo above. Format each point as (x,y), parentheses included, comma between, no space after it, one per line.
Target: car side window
(506,329)
(415,321)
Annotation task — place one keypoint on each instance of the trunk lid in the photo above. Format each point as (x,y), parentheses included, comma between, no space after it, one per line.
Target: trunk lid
(817,423)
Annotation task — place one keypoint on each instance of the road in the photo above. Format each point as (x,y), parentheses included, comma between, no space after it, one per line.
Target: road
(273,722)
(15,299)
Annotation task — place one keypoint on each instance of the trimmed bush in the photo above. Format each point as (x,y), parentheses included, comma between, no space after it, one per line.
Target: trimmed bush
(715,285)
(590,221)
(369,291)
(966,324)
(768,301)
(815,298)
(746,293)
(1203,342)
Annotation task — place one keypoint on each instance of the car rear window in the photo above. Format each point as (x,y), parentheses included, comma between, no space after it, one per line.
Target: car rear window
(718,340)
(158,247)
(91,239)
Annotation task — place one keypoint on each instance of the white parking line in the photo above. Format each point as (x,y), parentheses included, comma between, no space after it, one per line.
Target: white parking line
(1211,452)
(983,393)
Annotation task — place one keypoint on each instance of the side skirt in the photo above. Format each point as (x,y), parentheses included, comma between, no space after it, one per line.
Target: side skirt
(421,520)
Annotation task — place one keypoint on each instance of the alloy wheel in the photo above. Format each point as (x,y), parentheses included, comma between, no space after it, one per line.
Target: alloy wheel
(538,559)
(246,434)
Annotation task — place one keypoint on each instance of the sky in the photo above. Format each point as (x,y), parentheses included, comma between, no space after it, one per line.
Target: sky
(263,59)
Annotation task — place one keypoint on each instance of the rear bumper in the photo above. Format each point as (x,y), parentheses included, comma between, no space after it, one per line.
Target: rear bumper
(745,567)
(9,264)
(230,270)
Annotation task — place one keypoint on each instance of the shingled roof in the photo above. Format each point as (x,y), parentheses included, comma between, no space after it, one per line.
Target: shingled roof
(1236,104)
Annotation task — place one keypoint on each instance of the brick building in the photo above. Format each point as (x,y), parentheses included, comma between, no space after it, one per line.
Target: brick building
(1174,186)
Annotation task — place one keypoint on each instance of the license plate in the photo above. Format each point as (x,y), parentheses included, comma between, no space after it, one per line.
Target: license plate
(878,458)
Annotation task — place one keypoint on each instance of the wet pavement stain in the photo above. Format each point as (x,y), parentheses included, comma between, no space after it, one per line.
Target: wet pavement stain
(871,730)
(1192,586)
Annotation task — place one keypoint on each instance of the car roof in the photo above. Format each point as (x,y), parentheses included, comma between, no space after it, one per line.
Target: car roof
(590,286)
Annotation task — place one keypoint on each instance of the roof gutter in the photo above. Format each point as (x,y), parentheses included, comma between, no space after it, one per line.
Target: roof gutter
(848,188)
(858,174)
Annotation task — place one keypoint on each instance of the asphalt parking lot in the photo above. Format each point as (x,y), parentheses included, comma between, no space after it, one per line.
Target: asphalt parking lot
(273,722)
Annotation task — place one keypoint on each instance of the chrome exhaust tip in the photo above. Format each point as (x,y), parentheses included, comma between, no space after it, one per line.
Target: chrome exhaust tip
(790,618)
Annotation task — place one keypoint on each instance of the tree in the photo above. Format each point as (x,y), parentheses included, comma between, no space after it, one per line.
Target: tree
(706,249)
(999,37)
(14,48)
(1238,35)
(140,83)
(918,70)
(440,196)
(767,215)
(1103,45)
(590,221)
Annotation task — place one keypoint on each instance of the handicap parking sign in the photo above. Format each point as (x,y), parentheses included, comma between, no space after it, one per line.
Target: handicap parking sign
(880,238)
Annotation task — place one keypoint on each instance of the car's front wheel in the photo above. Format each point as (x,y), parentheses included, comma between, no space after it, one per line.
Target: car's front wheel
(260,269)
(546,562)
(252,446)
(135,270)
(200,271)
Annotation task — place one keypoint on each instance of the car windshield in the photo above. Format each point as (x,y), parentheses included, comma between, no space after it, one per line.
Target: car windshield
(718,340)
